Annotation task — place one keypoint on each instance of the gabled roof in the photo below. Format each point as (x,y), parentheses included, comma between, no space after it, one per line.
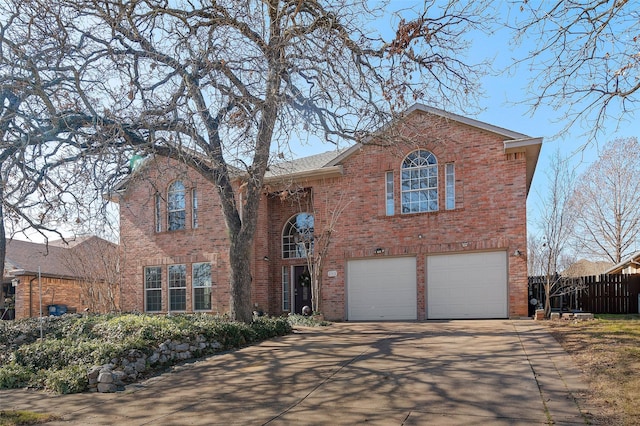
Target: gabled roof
(328,164)
(632,260)
(50,260)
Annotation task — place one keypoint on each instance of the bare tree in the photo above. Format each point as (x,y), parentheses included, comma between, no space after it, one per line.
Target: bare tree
(49,182)
(96,263)
(556,220)
(585,58)
(606,202)
(224,85)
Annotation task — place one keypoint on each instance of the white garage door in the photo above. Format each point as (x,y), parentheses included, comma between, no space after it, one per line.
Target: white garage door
(470,285)
(382,289)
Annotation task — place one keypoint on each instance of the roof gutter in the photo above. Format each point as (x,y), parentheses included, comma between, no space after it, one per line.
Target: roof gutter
(325,172)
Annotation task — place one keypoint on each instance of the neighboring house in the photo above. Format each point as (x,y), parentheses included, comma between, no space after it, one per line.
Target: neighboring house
(76,275)
(629,265)
(584,268)
(433,227)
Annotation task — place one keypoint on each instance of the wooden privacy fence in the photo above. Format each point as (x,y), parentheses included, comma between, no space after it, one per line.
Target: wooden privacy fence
(598,294)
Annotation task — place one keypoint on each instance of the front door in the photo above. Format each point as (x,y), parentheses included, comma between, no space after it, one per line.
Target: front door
(302,288)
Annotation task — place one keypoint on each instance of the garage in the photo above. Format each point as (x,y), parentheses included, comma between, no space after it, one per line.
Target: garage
(469,285)
(381,289)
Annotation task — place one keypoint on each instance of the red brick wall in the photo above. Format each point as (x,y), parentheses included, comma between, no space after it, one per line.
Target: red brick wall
(55,291)
(141,246)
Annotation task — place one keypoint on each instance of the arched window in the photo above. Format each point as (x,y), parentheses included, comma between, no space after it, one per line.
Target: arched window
(176,217)
(297,236)
(419,182)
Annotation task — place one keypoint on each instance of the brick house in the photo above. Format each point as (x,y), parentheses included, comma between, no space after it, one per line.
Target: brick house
(433,226)
(79,274)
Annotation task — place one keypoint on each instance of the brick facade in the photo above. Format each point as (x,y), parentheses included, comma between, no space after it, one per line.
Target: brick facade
(491,185)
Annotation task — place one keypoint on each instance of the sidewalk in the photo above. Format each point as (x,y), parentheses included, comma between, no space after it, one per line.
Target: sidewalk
(399,373)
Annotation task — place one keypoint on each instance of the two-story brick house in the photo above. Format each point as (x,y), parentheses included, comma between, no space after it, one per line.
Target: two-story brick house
(432,226)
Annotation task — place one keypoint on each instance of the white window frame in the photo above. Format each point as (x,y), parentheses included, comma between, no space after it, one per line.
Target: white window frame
(297,236)
(177,287)
(194,208)
(176,206)
(389,199)
(419,182)
(286,289)
(201,282)
(156,289)
(450,186)
(158,212)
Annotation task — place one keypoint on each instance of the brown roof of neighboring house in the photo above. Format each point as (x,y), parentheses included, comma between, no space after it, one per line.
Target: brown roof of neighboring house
(583,268)
(49,259)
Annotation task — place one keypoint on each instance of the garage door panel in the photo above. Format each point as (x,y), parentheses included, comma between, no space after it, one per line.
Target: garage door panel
(382,289)
(469,285)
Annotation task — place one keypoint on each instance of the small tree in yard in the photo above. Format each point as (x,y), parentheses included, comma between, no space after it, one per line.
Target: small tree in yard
(556,222)
(225,85)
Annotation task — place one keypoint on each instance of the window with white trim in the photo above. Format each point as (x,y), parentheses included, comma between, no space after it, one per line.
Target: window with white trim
(450,186)
(153,289)
(389,192)
(286,289)
(158,212)
(297,236)
(176,217)
(419,182)
(201,282)
(194,208)
(177,288)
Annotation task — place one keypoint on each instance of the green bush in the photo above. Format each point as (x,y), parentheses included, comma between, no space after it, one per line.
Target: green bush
(71,379)
(14,376)
(72,342)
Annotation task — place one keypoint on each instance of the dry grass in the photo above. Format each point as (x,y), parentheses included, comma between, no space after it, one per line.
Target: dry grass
(607,350)
(20,418)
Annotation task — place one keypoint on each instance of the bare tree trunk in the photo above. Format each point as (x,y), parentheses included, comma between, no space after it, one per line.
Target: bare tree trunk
(240,280)
(3,235)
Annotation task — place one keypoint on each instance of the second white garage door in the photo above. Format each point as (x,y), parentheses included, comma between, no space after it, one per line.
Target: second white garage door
(469,285)
(382,289)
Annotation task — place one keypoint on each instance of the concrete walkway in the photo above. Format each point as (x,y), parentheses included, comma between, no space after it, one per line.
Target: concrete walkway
(495,372)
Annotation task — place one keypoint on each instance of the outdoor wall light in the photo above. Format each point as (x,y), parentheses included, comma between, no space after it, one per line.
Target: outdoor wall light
(379,250)
(464,243)
(266,258)
(517,253)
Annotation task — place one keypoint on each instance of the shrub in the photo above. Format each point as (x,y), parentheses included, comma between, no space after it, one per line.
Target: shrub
(71,379)
(14,376)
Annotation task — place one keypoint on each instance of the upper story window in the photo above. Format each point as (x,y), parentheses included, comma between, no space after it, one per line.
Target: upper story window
(297,236)
(176,217)
(419,182)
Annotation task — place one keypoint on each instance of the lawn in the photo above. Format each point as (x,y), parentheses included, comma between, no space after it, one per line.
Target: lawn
(607,350)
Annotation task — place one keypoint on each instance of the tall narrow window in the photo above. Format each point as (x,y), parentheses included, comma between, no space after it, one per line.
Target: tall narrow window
(175,206)
(153,289)
(158,213)
(450,186)
(286,289)
(389,190)
(297,236)
(419,182)
(177,288)
(194,208)
(201,286)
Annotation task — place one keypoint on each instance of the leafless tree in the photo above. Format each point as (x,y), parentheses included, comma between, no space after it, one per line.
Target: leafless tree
(226,84)
(44,186)
(584,60)
(555,221)
(606,202)
(96,263)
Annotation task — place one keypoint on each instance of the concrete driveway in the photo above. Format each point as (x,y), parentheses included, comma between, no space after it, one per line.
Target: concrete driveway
(397,373)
